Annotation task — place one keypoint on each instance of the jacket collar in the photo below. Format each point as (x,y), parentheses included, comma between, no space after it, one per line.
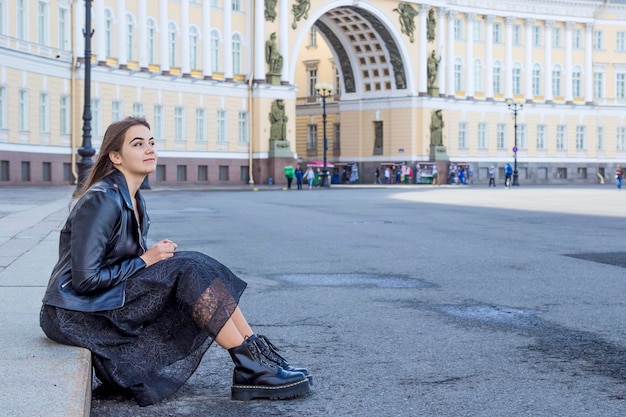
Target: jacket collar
(117,180)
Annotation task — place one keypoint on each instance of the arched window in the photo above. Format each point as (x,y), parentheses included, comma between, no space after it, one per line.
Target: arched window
(172,37)
(556,81)
(215,51)
(152,38)
(236,54)
(458,75)
(130,37)
(478,76)
(193,47)
(536,79)
(577,81)
(517,78)
(497,77)
(108,32)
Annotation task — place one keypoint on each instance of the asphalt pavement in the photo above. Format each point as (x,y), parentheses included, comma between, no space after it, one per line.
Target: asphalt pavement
(403,301)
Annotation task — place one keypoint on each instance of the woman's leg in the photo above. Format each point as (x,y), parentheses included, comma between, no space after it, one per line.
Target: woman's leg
(229,337)
(241,323)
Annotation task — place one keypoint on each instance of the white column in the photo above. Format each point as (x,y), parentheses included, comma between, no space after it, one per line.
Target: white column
(548,96)
(422,51)
(228,40)
(569,26)
(185,64)
(489,57)
(164,50)
(508,53)
(451,88)
(99,36)
(588,63)
(207,71)
(142,26)
(528,61)
(283,38)
(469,55)
(259,42)
(122,53)
(441,51)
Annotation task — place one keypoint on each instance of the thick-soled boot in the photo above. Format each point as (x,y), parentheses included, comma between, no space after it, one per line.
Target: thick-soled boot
(255,376)
(271,352)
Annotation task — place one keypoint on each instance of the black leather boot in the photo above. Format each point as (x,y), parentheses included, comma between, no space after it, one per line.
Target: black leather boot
(271,352)
(255,376)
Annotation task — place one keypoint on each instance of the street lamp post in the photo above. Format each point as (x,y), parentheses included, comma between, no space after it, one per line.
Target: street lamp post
(515,106)
(86,151)
(325,91)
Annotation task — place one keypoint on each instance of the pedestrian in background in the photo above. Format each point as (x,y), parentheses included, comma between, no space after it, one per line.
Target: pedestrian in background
(299,177)
(147,313)
(508,174)
(289,174)
(309,175)
(619,175)
(492,176)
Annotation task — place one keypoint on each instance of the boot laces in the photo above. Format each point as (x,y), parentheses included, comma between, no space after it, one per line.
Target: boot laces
(268,349)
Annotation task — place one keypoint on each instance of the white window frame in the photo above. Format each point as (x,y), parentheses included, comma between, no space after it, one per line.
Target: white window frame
(44,112)
(172,39)
(157,125)
(64,26)
(541,137)
(3,107)
(130,37)
(497,77)
(179,124)
(536,36)
(21,15)
(215,51)
(557,37)
(598,40)
(108,32)
(193,47)
(577,38)
(458,75)
(458,29)
(64,115)
(600,137)
(581,138)
(237,55)
(22,122)
(201,135)
(152,35)
(497,32)
(116,110)
(138,110)
(501,136)
(620,136)
(221,133)
(557,81)
(536,81)
(478,76)
(577,82)
(620,85)
(561,137)
(482,136)
(517,78)
(243,128)
(311,137)
(517,35)
(598,84)
(620,41)
(96,117)
(462,135)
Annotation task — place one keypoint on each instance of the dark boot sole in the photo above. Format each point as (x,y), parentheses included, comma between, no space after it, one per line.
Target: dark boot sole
(280,392)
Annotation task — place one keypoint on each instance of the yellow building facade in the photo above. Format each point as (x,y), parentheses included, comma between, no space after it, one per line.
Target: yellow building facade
(207,78)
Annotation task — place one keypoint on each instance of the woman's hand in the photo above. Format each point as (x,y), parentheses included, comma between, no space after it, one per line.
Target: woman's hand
(163,249)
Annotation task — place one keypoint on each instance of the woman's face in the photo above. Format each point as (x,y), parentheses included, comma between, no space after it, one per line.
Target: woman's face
(138,155)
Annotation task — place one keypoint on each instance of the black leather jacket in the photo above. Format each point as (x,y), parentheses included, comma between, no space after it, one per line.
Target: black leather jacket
(99,248)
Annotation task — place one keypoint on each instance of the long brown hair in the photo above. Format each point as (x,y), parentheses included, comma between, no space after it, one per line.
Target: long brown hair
(112,142)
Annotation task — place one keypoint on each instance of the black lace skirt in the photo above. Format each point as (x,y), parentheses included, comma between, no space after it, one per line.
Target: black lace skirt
(153,344)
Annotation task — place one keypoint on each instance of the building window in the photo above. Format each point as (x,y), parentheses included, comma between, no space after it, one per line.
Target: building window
(181,173)
(312,80)
(497,33)
(215,51)
(621,138)
(541,137)
(64,115)
(598,85)
(311,140)
(536,35)
(482,135)
(2,17)
(458,29)
(236,5)
(193,47)
(223,172)
(222,136)
(458,75)
(5,172)
(44,113)
(46,171)
(522,142)
(600,137)
(313,36)
(21,23)
(478,30)
(517,78)
(497,77)
(582,173)
(243,127)
(536,80)
(561,137)
(244,173)
(556,81)
(577,82)
(108,32)
(203,172)
(151,41)
(620,85)
(138,110)
(581,141)
(517,35)
(22,123)
(561,173)
(172,32)
(161,173)
(478,76)
(501,136)
(337,82)
(25,171)
(179,124)
(3,107)
(157,125)
(64,28)
(96,117)
(67,172)
(577,39)
(556,37)
(462,135)
(236,54)
(116,111)
(598,42)
(336,136)
(201,125)
(620,43)
(130,37)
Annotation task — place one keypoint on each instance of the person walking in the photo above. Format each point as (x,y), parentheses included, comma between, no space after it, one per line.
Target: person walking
(378,181)
(309,175)
(289,174)
(147,313)
(508,174)
(492,176)
(435,176)
(619,175)
(298,177)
